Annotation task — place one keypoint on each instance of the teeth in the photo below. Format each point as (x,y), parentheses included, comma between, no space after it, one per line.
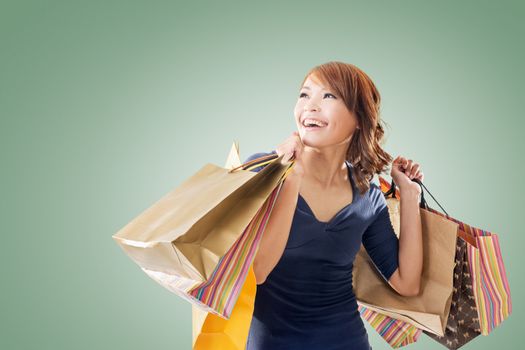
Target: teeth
(308,121)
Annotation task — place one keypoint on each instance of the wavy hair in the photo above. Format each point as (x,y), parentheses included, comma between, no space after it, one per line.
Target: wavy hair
(362,98)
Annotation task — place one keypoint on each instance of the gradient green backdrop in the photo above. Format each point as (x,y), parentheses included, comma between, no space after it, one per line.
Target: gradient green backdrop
(107,105)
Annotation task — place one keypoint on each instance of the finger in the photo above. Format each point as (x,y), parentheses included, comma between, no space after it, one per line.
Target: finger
(399,161)
(405,162)
(299,152)
(413,176)
(414,170)
(408,167)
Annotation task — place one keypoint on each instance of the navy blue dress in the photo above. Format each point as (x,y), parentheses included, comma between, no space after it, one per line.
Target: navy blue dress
(307,301)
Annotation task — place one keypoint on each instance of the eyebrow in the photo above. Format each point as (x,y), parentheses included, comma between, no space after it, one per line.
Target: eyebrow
(307,87)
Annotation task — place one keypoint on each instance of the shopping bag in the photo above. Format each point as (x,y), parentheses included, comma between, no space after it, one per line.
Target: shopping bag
(399,333)
(212,332)
(480,300)
(202,233)
(396,333)
(430,308)
(198,316)
(463,321)
(189,229)
(462,324)
(484,294)
(492,290)
(219,294)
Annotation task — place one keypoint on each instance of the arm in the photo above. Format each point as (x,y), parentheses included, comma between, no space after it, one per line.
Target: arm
(277,229)
(406,279)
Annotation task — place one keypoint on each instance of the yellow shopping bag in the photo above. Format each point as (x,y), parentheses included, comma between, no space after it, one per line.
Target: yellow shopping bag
(219,333)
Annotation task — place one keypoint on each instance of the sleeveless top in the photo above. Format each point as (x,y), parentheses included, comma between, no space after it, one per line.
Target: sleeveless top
(307,301)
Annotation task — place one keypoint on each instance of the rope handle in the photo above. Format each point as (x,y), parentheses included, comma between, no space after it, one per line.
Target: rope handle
(264,160)
(261,161)
(423,203)
(254,163)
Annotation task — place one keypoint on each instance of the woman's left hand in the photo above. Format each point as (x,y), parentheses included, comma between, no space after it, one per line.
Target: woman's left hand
(404,171)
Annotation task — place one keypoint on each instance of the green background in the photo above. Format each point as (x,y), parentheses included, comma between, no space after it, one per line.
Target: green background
(107,105)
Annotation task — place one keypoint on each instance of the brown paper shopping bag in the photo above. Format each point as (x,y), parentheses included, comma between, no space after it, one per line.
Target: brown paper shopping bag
(198,316)
(212,332)
(190,229)
(428,310)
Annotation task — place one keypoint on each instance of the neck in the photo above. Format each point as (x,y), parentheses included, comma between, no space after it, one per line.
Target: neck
(325,167)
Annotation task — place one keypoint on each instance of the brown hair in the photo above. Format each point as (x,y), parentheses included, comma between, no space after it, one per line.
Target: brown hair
(362,98)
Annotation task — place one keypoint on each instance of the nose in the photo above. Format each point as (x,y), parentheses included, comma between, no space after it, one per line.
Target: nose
(311,107)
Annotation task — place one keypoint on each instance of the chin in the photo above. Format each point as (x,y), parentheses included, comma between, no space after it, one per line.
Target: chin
(313,141)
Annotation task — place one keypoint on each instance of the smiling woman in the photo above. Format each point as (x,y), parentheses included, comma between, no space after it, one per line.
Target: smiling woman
(327,208)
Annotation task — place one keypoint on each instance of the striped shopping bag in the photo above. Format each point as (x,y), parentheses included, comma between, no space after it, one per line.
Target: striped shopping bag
(397,333)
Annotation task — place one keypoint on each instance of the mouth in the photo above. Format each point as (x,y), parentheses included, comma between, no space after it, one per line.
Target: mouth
(310,124)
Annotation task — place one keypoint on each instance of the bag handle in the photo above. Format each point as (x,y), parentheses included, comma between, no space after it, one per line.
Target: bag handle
(392,191)
(257,162)
(469,238)
(423,203)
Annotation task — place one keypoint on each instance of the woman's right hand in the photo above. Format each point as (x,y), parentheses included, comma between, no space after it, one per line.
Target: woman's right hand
(293,146)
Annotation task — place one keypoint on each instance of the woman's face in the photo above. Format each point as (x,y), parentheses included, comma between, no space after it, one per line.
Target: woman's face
(337,123)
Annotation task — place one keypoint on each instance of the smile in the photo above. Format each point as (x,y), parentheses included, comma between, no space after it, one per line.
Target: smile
(313,128)
(310,124)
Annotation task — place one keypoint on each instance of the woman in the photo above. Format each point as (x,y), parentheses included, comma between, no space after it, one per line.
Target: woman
(327,207)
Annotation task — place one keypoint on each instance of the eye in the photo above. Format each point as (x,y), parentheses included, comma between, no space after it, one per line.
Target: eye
(304,94)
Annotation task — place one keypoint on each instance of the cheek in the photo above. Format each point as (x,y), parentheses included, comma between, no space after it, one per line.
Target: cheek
(344,127)
(297,112)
